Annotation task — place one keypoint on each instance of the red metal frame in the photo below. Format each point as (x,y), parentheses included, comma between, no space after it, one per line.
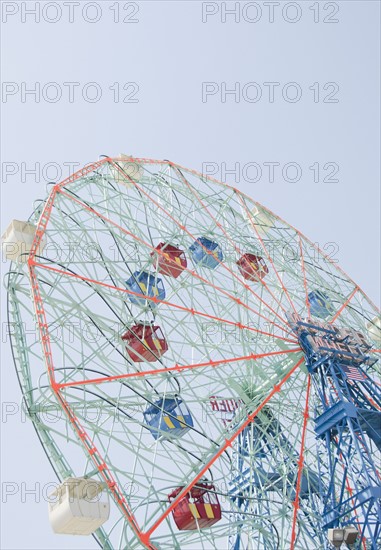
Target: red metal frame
(155,300)
(222,449)
(58,389)
(88,445)
(247,287)
(178,368)
(192,272)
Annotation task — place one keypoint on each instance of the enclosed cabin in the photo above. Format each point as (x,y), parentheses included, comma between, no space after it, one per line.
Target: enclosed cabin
(374,329)
(198,509)
(145,285)
(262,221)
(320,304)
(17,241)
(338,536)
(252,267)
(206,253)
(168,417)
(145,342)
(171,261)
(126,170)
(78,506)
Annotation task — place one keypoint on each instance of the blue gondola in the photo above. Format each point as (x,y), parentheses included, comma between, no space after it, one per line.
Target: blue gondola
(145,284)
(169,416)
(206,253)
(320,305)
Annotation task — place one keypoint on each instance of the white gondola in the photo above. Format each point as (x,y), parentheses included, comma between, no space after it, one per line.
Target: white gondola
(127,171)
(374,329)
(262,221)
(17,241)
(78,506)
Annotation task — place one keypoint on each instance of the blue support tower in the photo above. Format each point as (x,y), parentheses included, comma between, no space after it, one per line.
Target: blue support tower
(261,454)
(347,426)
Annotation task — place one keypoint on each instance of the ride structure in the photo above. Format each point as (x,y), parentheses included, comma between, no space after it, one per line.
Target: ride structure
(347,424)
(204,366)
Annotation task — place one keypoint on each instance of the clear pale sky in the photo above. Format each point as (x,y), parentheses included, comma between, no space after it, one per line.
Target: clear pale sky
(167,55)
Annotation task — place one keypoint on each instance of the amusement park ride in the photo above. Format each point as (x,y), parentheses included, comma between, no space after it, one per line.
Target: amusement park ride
(213,377)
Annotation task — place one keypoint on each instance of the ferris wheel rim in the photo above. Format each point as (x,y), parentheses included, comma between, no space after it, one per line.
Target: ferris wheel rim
(31,264)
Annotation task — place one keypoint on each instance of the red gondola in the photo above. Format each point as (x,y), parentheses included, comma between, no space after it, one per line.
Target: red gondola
(171,261)
(145,342)
(252,268)
(198,509)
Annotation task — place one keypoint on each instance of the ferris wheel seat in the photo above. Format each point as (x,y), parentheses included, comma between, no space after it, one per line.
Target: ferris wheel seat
(252,268)
(206,253)
(168,417)
(146,285)
(320,304)
(374,329)
(198,509)
(17,241)
(171,261)
(145,342)
(125,170)
(78,506)
(262,221)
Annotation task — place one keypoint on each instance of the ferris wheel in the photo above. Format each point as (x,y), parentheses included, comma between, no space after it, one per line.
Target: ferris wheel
(204,377)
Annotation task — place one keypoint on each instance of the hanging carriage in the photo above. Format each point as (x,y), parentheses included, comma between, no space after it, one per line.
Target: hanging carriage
(145,342)
(198,509)
(252,267)
(168,417)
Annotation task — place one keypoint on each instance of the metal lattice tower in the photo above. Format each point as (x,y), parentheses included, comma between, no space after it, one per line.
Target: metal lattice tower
(347,425)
